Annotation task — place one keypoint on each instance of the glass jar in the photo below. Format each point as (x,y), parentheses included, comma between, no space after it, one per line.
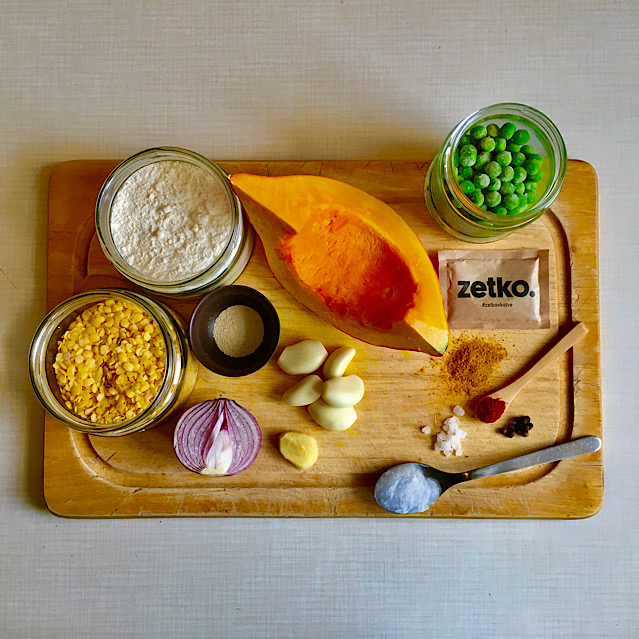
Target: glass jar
(224,270)
(180,371)
(454,211)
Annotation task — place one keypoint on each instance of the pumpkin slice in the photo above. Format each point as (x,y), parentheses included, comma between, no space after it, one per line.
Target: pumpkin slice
(348,257)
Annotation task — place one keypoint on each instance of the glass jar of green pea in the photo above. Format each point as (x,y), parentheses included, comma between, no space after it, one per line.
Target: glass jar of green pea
(498,170)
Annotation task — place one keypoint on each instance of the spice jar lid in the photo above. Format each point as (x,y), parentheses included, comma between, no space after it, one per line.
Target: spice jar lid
(248,314)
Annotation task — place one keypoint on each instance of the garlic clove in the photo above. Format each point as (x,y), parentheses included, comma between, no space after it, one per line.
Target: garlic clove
(338,361)
(302,358)
(304,392)
(343,391)
(330,417)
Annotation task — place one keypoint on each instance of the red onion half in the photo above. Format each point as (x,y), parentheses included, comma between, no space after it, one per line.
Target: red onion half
(217,437)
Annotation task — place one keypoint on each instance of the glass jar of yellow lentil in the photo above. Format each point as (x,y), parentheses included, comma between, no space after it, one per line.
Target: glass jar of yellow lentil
(107,345)
(450,206)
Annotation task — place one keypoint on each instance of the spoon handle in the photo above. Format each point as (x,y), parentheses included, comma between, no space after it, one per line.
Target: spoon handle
(507,394)
(574,448)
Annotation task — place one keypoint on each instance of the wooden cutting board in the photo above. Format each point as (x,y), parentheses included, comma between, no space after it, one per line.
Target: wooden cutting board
(139,475)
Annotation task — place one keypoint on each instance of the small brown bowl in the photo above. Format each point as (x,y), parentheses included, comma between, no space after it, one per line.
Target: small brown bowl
(201,331)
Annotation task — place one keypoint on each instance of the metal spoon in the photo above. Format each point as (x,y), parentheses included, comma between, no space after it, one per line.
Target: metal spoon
(414,487)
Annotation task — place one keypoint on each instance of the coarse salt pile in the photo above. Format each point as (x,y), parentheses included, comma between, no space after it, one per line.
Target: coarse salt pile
(450,439)
(459,411)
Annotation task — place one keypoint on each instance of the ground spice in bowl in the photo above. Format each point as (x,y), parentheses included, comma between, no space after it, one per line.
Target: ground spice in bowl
(238,330)
(234,331)
(470,363)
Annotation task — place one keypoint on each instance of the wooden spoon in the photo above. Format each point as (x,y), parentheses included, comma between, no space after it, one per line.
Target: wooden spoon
(490,408)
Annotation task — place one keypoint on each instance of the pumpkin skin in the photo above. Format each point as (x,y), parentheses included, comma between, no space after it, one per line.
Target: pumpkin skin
(348,257)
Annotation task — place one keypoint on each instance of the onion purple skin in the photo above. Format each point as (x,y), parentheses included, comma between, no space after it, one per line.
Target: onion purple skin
(196,425)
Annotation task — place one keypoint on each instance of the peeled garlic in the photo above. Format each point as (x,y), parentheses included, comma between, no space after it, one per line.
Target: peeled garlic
(335,365)
(302,358)
(304,392)
(343,391)
(330,417)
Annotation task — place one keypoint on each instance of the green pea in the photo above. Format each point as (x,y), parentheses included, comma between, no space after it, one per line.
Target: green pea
(500,210)
(465,139)
(495,184)
(535,156)
(483,207)
(507,188)
(466,172)
(534,171)
(481,181)
(513,148)
(530,186)
(456,159)
(537,177)
(531,166)
(521,137)
(478,132)
(493,130)
(467,187)
(493,198)
(507,174)
(468,155)
(520,189)
(515,211)
(483,159)
(518,159)
(504,158)
(500,144)
(476,197)
(507,130)
(520,175)
(493,169)
(511,202)
(527,149)
(487,144)
(531,196)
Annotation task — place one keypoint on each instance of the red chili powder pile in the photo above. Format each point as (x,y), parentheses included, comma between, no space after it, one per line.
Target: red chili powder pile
(490,409)
(470,362)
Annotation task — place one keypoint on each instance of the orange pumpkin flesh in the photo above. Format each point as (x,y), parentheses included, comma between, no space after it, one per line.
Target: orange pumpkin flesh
(349,257)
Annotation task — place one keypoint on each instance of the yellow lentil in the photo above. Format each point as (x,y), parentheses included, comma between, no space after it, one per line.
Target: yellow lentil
(110,362)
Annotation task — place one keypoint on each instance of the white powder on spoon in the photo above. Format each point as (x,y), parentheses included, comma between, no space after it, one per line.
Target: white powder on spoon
(171,220)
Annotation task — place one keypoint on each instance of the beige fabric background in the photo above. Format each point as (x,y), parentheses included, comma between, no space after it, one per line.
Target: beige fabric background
(310,79)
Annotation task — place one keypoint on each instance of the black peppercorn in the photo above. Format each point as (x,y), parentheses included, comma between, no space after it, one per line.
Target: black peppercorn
(518,425)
